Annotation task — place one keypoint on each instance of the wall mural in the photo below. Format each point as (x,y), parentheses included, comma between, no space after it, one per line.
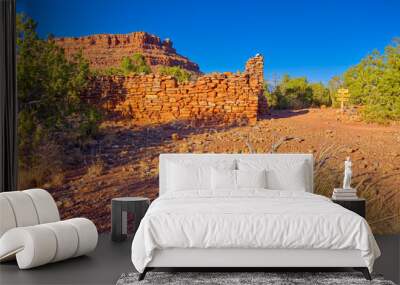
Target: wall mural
(96,111)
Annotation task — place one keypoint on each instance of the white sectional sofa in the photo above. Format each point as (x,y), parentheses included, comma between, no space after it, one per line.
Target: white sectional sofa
(31,231)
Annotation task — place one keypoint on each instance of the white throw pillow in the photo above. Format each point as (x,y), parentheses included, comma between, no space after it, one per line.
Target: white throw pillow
(251,178)
(183,177)
(223,179)
(293,178)
(187,174)
(281,175)
(227,179)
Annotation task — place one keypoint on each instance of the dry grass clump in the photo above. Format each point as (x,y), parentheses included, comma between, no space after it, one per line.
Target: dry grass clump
(96,169)
(46,165)
(383,199)
(327,170)
(57,180)
(383,202)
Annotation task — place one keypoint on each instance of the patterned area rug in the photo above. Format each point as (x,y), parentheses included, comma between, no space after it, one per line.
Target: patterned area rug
(269,278)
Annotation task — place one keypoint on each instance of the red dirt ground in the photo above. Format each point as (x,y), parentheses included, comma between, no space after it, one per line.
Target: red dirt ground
(123,161)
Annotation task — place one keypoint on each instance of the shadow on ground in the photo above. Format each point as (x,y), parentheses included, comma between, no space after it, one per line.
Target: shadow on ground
(282,114)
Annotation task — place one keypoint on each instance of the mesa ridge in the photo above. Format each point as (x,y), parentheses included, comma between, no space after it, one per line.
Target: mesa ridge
(107,50)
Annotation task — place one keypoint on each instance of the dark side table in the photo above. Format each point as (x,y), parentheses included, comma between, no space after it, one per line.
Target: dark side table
(356,205)
(119,215)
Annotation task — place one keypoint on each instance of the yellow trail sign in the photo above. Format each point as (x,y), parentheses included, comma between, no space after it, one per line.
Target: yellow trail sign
(343,95)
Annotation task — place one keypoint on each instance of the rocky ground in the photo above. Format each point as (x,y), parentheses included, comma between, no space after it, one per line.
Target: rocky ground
(123,161)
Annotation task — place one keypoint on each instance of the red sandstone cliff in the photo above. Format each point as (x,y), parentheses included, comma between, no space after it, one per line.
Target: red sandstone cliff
(107,50)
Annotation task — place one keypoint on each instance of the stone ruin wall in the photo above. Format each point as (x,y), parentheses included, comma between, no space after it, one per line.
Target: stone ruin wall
(155,99)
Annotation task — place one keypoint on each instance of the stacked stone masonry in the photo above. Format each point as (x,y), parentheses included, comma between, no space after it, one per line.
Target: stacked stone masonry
(154,99)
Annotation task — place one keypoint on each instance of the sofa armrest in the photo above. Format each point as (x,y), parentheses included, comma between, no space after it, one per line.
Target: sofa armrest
(41,244)
(32,246)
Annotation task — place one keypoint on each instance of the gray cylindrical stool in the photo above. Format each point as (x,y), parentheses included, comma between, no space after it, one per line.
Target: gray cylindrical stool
(119,215)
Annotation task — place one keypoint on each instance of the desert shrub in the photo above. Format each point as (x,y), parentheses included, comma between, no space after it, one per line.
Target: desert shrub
(270,95)
(135,64)
(110,71)
(362,79)
(44,168)
(49,88)
(296,93)
(375,84)
(381,109)
(320,94)
(96,169)
(290,93)
(177,72)
(334,84)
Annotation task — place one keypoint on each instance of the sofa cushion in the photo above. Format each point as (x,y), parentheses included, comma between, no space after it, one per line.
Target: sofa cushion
(23,208)
(67,240)
(7,220)
(45,205)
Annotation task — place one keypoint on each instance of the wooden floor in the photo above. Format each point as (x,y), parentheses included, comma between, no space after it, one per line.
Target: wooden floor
(111,259)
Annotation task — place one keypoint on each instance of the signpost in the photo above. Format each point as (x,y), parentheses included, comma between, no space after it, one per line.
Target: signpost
(343,95)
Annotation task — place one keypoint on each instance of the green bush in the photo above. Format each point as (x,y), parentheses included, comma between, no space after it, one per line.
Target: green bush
(382,109)
(320,95)
(290,93)
(176,71)
(49,88)
(334,84)
(375,84)
(296,93)
(272,98)
(363,79)
(135,64)
(110,71)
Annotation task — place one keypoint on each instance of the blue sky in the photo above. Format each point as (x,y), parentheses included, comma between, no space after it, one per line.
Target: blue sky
(317,39)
